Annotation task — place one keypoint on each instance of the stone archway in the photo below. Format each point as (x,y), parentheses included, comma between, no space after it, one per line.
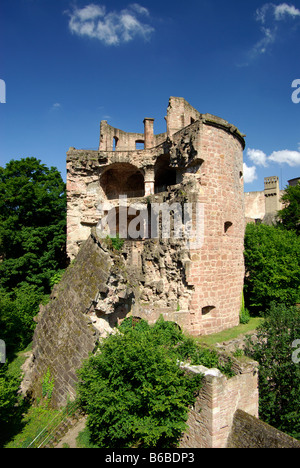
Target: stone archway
(122,179)
(164,174)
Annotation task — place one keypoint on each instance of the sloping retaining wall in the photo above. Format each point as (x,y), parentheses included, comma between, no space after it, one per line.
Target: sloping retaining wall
(249,432)
(210,419)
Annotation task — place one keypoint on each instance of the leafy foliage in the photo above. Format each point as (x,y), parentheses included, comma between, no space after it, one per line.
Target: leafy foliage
(289,216)
(9,386)
(115,243)
(244,312)
(32,223)
(133,390)
(32,244)
(272,266)
(279,376)
(55,279)
(12,405)
(17,310)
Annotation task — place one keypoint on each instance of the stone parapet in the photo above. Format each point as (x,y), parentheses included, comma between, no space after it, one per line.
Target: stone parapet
(210,419)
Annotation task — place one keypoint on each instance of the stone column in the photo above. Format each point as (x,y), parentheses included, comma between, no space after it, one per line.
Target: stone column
(148,133)
(149,181)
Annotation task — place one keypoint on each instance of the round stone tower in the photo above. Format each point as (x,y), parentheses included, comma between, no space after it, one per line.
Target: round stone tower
(198,164)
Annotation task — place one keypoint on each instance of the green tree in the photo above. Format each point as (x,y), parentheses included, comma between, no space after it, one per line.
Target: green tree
(279,375)
(289,216)
(134,392)
(17,310)
(32,223)
(272,267)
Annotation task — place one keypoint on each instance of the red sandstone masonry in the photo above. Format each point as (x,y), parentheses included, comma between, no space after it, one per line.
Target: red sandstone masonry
(210,420)
(203,150)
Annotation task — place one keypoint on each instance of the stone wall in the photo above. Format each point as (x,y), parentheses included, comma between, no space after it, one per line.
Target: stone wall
(201,158)
(255,205)
(249,432)
(264,205)
(99,289)
(64,334)
(211,418)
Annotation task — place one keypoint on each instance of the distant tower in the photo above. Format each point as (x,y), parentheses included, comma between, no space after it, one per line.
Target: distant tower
(272,195)
(294,182)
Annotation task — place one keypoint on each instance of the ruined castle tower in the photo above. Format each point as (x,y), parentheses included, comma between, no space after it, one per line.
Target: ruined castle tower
(187,266)
(199,160)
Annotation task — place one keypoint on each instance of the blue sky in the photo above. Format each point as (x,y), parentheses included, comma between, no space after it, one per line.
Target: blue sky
(68,64)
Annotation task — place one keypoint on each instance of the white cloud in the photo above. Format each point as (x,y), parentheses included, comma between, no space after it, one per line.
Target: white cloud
(261,46)
(55,106)
(110,28)
(292,158)
(285,10)
(90,12)
(139,9)
(249,174)
(270,16)
(258,157)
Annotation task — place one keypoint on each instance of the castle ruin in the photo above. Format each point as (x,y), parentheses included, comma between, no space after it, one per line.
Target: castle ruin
(194,282)
(198,161)
(194,278)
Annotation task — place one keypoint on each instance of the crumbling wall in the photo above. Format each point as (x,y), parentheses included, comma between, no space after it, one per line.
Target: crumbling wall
(210,419)
(201,158)
(250,432)
(99,289)
(64,335)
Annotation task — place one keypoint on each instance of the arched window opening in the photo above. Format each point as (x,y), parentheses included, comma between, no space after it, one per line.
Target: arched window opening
(206,310)
(139,145)
(228,227)
(122,179)
(164,174)
(115,143)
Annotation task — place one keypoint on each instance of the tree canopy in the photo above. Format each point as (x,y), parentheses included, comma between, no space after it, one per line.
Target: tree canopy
(133,390)
(289,216)
(32,223)
(272,267)
(279,373)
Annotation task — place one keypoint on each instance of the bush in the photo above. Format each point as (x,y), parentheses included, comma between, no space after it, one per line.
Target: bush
(133,390)
(115,242)
(32,223)
(289,216)
(244,313)
(272,267)
(279,376)
(17,310)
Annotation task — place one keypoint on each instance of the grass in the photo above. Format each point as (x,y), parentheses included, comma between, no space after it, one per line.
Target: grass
(231,333)
(27,421)
(83,439)
(33,422)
